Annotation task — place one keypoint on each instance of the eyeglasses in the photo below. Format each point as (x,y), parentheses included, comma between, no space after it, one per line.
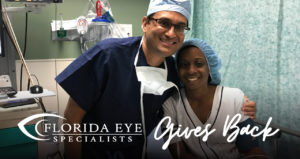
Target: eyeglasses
(167,24)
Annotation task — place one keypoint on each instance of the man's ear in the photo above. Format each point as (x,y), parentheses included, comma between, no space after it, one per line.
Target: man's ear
(144,23)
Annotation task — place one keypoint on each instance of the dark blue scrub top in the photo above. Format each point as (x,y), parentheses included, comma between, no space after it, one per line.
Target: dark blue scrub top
(103,82)
(246,142)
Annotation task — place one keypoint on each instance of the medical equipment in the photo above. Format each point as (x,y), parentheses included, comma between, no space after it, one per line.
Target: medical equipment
(61,33)
(6,86)
(87,29)
(99,17)
(82,28)
(82,25)
(36,1)
(95,30)
(15,41)
(30,5)
(95,25)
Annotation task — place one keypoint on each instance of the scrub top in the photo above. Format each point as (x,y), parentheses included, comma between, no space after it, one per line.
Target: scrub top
(103,82)
(227,102)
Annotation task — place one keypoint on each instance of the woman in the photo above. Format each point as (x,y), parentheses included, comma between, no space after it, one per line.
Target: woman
(203,101)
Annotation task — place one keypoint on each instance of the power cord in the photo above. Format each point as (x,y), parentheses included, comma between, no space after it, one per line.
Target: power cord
(24,51)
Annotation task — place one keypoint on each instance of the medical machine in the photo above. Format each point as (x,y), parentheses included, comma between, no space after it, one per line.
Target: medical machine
(36,1)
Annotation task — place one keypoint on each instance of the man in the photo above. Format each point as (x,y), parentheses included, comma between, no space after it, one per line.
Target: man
(125,81)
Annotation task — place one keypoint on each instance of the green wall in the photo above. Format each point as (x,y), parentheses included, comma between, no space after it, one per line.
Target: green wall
(39,43)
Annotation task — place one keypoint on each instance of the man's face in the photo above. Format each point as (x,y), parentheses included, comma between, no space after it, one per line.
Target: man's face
(163,33)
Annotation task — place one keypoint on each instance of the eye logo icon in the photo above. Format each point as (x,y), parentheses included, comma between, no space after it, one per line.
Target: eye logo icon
(22,123)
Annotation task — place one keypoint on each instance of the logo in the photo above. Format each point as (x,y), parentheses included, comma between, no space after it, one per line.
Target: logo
(21,125)
(230,125)
(48,129)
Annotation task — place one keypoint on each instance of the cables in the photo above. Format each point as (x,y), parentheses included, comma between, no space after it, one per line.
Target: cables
(24,52)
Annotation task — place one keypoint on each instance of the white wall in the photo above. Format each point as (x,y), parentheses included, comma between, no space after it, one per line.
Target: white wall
(46,71)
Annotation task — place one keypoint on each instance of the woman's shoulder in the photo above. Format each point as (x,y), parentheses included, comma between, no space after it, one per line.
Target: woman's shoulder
(232,91)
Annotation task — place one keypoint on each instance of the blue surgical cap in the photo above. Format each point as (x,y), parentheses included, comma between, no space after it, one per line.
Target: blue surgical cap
(180,6)
(213,61)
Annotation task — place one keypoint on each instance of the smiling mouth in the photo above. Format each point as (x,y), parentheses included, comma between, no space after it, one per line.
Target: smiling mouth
(167,41)
(191,79)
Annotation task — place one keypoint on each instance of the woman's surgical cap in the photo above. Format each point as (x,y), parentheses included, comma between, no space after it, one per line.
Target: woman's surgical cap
(213,61)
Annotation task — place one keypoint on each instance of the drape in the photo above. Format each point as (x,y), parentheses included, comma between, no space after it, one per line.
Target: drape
(259,44)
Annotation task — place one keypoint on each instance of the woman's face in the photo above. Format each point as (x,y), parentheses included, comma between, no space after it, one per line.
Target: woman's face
(193,68)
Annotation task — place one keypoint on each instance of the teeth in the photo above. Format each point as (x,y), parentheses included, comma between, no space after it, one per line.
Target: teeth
(192,79)
(168,42)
